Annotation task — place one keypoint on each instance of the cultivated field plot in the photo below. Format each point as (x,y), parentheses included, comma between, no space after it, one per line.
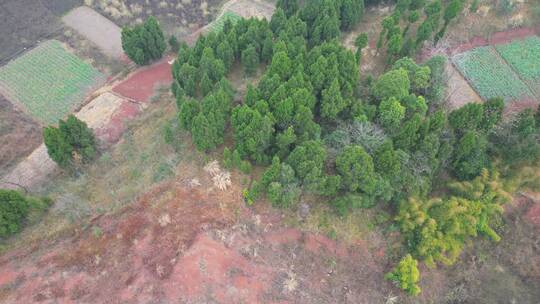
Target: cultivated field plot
(490,75)
(217,25)
(252,8)
(48,82)
(96,28)
(524,57)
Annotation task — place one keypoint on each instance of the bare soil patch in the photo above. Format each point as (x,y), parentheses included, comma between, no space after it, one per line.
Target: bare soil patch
(141,85)
(96,28)
(251,8)
(19,135)
(459,91)
(176,16)
(179,244)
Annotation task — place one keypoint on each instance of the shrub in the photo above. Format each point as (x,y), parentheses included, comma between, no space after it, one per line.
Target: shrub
(13,210)
(245,167)
(406,275)
(71,143)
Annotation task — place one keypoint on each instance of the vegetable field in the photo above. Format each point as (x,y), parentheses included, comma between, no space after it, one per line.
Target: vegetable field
(490,75)
(48,82)
(524,57)
(217,25)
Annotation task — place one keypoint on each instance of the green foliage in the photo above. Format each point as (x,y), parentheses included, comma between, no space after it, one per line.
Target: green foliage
(452,10)
(518,141)
(394,83)
(145,42)
(391,113)
(406,275)
(174,44)
(245,167)
(17,209)
(437,229)
(227,158)
(252,133)
(307,158)
(72,143)
(474,6)
(253,193)
(470,156)
(250,60)
(290,7)
(189,109)
(13,210)
(356,169)
(332,103)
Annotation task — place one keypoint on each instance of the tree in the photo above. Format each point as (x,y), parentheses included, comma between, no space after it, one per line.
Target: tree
(253,133)
(452,10)
(391,113)
(225,52)
(204,134)
(466,118)
(71,143)
(493,109)
(406,275)
(188,111)
(290,7)
(361,42)
(206,85)
(394,83)
(279,20)
(332,103)
(470,156)
(356,169)
(174,44)
(250,60)
(306,157)
(144,43)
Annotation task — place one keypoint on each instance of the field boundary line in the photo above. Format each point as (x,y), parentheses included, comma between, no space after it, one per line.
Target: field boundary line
(532,93)
(526,82)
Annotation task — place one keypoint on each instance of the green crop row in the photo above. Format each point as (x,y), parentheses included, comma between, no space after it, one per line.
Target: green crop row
(524,57)
(490,75)
(48,82)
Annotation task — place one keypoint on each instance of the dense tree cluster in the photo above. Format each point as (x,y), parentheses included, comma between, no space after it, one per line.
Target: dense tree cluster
(145,42)
(320,130)
(72,143)
(434,17)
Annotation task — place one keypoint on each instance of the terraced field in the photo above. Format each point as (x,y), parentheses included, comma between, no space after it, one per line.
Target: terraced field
(524,57)
(48,82)
(490,75)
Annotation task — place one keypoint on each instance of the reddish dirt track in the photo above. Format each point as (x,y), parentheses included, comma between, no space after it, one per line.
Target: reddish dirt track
(141,85)
(114,129)
(496,38)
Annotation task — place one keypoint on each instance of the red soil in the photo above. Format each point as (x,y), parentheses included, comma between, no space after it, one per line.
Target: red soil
(141,85)
(533,215)
(113,130)
(200,254)
(497,38)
